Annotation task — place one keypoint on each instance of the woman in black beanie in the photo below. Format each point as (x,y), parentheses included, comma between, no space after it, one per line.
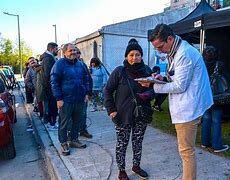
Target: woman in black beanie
(120,106)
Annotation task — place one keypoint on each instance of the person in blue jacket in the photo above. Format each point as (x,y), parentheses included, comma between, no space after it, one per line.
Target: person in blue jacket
(71,87)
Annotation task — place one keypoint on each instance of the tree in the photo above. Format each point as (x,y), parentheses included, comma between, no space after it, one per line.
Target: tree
(226,3)
(9,54)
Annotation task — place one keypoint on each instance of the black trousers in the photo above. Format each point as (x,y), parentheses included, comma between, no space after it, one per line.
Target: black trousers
(123,134)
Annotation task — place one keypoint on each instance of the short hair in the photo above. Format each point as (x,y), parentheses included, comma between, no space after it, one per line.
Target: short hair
(30,58)
(65,47)
(161,32)
(51,45)
(210,53)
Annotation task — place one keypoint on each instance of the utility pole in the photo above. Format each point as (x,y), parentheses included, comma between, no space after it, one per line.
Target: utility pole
(19,40)
(55,32)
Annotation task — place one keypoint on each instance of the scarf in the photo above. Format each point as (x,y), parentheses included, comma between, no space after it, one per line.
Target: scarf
(137,70)
(174,48)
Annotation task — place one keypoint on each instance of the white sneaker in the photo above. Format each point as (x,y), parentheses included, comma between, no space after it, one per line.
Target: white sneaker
(94,109)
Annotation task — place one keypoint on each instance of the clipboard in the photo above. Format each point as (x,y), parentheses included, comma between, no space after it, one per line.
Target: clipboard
(150,79)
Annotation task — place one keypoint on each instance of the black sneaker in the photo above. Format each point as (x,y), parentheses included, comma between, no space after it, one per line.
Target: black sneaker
(224,148)
(86,134)
(140,172)
(65,149)
(123,175)
(157,108)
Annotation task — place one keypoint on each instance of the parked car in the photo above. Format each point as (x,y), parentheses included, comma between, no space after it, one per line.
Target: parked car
(7,119)
(8,72)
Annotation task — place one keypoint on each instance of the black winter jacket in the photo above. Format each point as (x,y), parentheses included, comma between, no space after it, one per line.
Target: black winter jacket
(117,94)
(47,63)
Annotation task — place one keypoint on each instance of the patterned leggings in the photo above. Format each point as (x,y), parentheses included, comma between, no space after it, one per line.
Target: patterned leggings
(123,134)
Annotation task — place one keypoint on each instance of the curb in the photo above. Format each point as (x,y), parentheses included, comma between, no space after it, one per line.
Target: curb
(55,166)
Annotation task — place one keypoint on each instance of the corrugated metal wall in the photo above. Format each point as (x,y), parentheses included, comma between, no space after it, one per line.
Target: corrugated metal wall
(112,39)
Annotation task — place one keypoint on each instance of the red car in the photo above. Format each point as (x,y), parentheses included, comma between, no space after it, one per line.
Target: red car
(7,119)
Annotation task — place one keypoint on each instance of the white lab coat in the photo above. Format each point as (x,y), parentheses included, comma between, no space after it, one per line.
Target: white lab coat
(189,92)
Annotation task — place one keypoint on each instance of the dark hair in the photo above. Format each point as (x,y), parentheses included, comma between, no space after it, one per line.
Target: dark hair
(210,53)
(30,58)
(161,32)
(51,45)
(95,60)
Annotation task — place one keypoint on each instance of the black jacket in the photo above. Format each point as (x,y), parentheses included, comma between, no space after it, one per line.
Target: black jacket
(47,62)
(117,94)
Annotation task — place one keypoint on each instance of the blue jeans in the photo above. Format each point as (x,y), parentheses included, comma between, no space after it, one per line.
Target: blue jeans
(211,128)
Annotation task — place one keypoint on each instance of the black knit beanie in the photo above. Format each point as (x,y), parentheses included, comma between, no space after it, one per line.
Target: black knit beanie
(133,45)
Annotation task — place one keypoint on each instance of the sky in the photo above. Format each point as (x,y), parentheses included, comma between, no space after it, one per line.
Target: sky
(73,18)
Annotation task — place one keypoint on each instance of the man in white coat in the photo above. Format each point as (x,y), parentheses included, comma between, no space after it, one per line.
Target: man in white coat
(188,88)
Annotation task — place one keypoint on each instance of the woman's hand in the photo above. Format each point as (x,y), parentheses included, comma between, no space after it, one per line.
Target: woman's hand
(144,84)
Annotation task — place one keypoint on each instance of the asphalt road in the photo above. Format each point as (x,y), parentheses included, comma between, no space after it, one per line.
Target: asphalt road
(29,162)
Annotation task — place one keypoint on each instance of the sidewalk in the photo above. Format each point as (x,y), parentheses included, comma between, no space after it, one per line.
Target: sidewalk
(97,162)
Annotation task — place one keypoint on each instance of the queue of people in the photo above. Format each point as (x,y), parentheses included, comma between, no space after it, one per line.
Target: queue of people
(65,87)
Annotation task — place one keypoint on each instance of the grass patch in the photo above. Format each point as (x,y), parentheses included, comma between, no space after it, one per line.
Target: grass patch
(162,121)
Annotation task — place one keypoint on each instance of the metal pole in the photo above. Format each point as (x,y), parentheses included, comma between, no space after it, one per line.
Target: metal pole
(55,32)
(19,46)
(19,40)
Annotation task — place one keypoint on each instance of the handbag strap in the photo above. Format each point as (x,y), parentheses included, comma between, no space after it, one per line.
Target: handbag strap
(131,90)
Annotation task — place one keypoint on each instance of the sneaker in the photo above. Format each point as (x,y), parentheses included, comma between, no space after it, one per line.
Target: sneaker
(157,108)
(204,146)
(86,134)
(77,144)
(35,109)
(65,149)
(94,109)
(224,148)
(140,172)
(123,175)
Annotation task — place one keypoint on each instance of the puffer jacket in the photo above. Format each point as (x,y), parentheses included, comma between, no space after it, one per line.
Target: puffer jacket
(70,81)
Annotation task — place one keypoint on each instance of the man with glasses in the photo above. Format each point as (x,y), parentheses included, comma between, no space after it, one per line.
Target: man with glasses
(188,88)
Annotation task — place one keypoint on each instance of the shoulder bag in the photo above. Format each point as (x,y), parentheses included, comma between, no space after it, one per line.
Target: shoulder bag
(141,112)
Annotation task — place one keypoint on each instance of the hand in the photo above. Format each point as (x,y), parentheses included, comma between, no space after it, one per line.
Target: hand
(144,84)
(113,114)
(87,98)
(60,104)
(158,76)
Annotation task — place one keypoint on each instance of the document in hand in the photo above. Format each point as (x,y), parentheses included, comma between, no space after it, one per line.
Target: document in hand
(150,79)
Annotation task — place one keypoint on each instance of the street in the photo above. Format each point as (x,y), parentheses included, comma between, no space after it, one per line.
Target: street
(28,163)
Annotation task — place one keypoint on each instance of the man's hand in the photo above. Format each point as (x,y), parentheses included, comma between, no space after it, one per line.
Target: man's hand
(113,114)
(158,76)
(60,104)
(87,98)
